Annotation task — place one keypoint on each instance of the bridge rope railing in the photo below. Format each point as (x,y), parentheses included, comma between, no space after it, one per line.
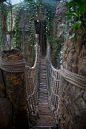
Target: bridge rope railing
(55,83)
(31,78)
(52,82)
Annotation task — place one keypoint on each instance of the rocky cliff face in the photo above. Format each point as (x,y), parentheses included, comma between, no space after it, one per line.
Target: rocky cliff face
(72,103)
(74,56)
(58,33)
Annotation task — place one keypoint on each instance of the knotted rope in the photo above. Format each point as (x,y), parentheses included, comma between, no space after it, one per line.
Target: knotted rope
(73,78)
(12,66)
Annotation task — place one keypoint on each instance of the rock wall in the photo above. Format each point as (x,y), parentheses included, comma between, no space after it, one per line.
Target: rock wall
(58,33)
(12,94)
(71,110)
(5,107)
(74,58)
(60,18)
(26,44)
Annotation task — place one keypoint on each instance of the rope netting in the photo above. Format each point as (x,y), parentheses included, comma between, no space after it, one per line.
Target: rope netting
(75,79)
(52,82)
(12,66)
(54,78)
(32,81)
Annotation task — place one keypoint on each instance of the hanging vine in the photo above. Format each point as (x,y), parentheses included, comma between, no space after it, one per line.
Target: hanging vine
(32,9)
(3,16)
(17,29)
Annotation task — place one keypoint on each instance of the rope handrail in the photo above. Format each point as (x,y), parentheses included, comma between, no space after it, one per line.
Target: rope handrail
(31,76)
(35,63)
(77,76)
(74,79)
(58,96)
(54,80)
(54,68)
(12,66)
(32,68)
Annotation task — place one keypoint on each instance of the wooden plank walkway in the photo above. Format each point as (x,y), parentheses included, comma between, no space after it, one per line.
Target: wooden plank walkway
(45,121)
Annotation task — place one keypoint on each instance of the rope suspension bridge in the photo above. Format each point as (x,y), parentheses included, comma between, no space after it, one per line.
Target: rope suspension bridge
(44,88)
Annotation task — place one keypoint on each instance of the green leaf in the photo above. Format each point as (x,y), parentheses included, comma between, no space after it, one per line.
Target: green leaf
(68,17)
(71,13)
(71,4)
(77,25)
(78,2)
(82,8)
